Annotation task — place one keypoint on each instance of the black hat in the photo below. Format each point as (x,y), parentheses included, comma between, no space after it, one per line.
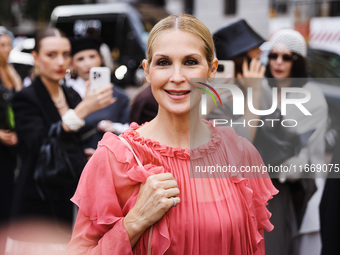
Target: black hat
(84,43)
(235,39)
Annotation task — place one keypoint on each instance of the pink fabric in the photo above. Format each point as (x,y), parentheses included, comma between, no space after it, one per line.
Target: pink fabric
(216,215)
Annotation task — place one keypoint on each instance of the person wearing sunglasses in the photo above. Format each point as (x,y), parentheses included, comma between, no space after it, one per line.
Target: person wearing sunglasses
(287,59)
(295,209)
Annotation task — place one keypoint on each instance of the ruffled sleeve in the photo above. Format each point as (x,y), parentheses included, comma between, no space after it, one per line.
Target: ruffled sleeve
(99,224)
(255,185)
(106,192)
(261,190)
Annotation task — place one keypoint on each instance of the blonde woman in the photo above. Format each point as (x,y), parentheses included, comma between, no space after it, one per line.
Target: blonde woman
(162,207)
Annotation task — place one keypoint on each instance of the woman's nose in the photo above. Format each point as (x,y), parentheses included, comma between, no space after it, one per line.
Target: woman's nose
(177,75)
(279,59)
(61,59)
(88,63)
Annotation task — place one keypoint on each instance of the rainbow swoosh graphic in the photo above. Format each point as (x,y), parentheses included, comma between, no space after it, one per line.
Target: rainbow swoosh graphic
(213,90)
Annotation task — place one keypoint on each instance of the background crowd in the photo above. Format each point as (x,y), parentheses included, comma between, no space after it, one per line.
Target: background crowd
(57,98)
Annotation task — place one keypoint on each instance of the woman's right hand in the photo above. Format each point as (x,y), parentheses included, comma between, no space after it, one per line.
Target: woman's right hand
(94,101)
(252,73)
(153,201)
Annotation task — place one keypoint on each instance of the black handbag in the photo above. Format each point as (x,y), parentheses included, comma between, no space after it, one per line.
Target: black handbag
(60,161)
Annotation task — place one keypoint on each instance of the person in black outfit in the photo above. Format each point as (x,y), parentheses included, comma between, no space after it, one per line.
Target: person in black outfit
(10,82)
(37,108)
(330,208)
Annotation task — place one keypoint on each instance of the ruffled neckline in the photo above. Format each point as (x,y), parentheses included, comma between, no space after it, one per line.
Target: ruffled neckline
(181,153)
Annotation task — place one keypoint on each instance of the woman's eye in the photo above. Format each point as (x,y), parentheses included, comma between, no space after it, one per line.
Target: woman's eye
(163,62)
(67,55)
(51,55)
(191,62)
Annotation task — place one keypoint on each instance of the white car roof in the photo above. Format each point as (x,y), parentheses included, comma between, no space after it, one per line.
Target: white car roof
(88,9)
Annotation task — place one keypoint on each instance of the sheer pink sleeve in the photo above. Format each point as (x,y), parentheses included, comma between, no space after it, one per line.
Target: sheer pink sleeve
(99,226)
(90,238)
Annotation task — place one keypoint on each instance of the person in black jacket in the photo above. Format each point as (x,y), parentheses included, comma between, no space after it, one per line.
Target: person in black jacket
(10,82)
(330,208)
(37,109)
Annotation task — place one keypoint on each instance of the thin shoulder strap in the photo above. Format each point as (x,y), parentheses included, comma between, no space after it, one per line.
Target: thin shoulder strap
(140,164)
(130,148)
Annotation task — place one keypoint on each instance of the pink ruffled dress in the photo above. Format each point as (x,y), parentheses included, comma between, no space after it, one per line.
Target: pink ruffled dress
(215,216)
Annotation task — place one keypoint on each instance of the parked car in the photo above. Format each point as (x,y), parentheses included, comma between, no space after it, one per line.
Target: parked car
(122,26)
(21,57)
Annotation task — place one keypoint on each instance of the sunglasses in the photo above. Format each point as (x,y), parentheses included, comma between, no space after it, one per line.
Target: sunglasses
(285,57)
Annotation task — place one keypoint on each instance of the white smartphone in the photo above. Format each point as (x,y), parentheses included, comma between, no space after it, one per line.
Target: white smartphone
(225,69)
(99,77)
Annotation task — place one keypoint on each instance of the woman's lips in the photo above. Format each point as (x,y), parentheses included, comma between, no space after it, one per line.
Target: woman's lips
(278,71)
(178,94)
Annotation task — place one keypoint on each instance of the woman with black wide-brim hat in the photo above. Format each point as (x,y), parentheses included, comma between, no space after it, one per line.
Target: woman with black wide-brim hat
(241,44)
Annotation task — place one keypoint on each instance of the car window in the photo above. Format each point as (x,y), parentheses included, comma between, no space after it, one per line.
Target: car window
(323,64)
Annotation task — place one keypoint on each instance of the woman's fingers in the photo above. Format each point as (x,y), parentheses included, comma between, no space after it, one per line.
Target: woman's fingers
(168,184)
(100,98)
(174,201)
(245,67)
(254,69)
(163,185)
(87,91)
(173,192)
(159,186)
(156,196)
(161,177)
(262,70)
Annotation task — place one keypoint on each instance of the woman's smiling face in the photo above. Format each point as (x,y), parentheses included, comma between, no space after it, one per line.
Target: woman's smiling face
(177,57)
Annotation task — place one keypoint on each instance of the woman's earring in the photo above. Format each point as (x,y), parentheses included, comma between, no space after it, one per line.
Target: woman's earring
(73,74)
(36,71)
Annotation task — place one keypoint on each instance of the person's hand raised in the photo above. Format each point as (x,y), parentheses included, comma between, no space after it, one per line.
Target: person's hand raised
(100,98)
(94,101)
(252,73)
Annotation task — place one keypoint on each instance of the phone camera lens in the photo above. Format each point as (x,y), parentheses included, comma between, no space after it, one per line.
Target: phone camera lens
(220,68)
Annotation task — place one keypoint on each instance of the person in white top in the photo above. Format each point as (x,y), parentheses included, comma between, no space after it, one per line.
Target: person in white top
(287,68)
(114,118)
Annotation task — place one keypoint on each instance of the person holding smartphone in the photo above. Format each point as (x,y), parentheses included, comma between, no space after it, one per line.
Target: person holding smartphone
(39,108)
(113,118)
(239,43)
